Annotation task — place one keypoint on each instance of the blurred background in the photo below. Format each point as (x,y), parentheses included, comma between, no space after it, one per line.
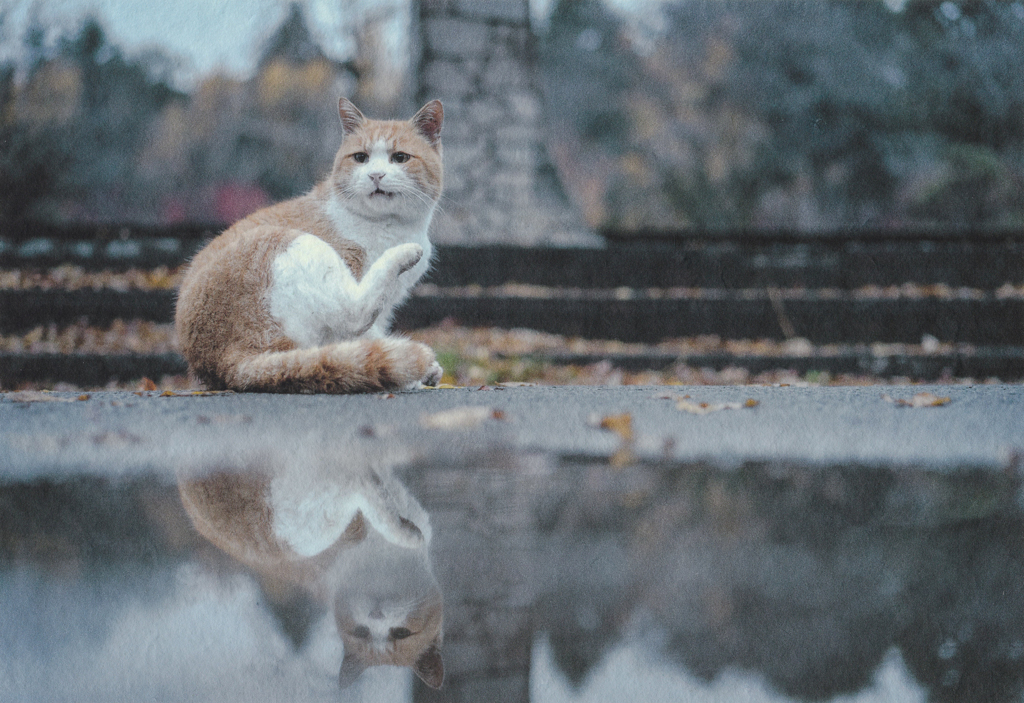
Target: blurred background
(658,115)
(636,191)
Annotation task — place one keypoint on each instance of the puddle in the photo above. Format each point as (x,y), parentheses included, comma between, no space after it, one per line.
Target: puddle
(311,575)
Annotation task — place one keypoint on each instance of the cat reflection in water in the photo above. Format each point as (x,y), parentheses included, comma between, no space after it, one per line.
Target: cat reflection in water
(355,541)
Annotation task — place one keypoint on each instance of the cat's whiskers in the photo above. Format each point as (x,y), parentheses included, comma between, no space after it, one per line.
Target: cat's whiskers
(440,203)
(414,603)
(347,192)
(414,190)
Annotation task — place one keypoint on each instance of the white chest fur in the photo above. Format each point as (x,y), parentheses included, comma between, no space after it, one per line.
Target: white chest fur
(375,236)
(317,300)
(313,508)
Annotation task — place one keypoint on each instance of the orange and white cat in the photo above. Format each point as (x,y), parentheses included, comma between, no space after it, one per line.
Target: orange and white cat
(298,297)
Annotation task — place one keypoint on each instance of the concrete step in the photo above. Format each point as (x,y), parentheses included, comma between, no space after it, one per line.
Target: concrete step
(736,260)
(832,317)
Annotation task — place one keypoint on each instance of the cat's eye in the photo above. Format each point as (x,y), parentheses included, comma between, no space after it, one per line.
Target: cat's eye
(400,157)
(400,633)
(361,157)
(361,632)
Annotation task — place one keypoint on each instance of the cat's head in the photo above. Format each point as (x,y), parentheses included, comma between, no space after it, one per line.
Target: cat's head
(397,627)
(389,168)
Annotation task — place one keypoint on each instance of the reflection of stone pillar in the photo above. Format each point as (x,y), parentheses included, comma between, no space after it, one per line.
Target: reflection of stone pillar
(484,557)
(500,185)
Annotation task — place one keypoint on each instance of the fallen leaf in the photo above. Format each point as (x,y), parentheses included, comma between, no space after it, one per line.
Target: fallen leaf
(223,419)
(39,397)
(623,456)
(122,438)
(147,385)
(461,417)
(621,424)
(919,400)
(704,408)
(185,394)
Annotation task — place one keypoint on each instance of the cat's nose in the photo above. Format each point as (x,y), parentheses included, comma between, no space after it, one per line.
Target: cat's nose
(376,178)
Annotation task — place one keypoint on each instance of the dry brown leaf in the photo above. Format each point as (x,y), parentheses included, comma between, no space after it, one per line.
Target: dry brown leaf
(621,424)
(919,400)
(461,417)
(704,408)
(623,456)
(147,385)
(223,419)
(40,397)
(185,394)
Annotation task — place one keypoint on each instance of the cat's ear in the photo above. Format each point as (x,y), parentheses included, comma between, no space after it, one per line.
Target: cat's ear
(428,121)
(429,666)
(351,118)
(351,668)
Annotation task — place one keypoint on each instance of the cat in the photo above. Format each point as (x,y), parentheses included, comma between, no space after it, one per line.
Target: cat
(299,296)
(353,540)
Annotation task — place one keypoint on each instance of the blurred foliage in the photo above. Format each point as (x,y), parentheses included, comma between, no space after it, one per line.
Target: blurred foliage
(809,116)
(89,135)
(71,130)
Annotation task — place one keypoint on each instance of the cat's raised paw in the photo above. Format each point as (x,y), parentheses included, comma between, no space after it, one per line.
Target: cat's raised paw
(406,256)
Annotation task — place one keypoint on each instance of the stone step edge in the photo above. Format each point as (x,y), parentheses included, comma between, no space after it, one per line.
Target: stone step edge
(1005,363)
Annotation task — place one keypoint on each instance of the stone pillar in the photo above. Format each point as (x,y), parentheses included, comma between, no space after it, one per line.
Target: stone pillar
(477,57)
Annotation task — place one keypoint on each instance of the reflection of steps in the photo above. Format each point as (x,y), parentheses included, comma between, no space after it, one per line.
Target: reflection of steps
(916,307)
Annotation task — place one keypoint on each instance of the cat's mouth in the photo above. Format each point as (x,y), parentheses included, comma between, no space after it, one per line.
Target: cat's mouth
(382,193)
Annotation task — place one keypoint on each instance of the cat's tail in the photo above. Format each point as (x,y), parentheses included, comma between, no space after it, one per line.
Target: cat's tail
(356,366)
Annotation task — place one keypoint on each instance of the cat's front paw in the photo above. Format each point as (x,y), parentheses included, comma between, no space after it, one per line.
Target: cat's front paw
(405,256)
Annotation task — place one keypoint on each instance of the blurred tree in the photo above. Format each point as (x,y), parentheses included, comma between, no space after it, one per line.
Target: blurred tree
(90,135)
(812,116)
(29,157)
(586,67)
(72,128)
(118,101)
(296,88)
(237,145)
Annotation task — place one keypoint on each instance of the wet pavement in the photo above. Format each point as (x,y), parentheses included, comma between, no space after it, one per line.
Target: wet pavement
(590,544)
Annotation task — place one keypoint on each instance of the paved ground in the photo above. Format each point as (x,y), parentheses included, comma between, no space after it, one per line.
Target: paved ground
(115,432)
(537,540)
